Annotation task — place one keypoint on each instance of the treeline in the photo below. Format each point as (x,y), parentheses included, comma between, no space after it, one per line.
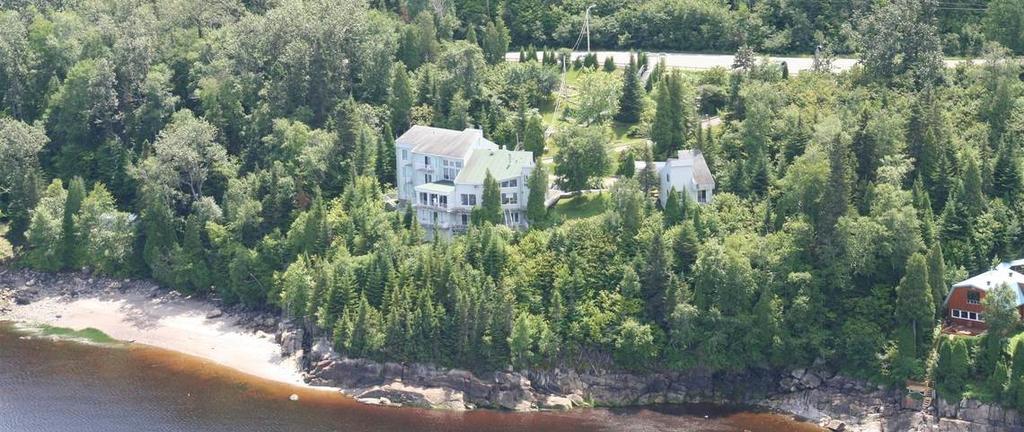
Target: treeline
(227,152)
(774,26)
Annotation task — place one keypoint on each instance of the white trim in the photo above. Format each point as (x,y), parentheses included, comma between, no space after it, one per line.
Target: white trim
(966,315)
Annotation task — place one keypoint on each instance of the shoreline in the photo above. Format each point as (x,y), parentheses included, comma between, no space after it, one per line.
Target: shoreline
(139,312)
(262,346)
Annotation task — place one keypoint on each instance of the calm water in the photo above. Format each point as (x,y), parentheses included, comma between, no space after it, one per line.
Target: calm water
(48,385)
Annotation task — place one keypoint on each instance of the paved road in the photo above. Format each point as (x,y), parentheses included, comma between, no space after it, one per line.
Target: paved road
(709,61)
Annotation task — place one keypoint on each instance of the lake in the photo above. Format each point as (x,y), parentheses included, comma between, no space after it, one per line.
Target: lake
(60,385)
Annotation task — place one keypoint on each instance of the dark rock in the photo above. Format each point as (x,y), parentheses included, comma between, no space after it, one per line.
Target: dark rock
(216,313)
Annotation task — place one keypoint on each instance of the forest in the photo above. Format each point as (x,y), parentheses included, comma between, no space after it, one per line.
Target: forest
(227,152)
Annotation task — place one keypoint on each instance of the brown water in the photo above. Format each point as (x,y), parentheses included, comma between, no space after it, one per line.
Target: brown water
(52,385)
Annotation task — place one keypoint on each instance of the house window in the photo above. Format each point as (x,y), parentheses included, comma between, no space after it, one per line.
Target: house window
(451,169)
(702,196)
(465,219)
(510,183)
(973,297)
(667,179)
(426,160)
(510,198)
(966,315)
(443,199)
(468,199)
(423,197)
(515,217)
(428,178)
(405,154)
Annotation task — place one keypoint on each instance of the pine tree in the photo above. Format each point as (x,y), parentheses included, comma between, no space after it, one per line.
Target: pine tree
(684,247)
(629,286)
(536,210)
(157,233)
(647,177)
(1007,181)
(533,137)
(471,34)
(915,307)
(495,43)
(673,209)
(668,130)
(1015,386)
(937,274)
(973,197)
(72,247)
(386,156)
(458,112)
(631,100)
(609,64)
(837,200)
(656,280)
(627,165)
(401,100)
(490,203)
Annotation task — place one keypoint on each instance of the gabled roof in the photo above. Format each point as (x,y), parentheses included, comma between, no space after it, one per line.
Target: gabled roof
(686,158)
(502,164)
(1002,273)
(701,172)
(443,142)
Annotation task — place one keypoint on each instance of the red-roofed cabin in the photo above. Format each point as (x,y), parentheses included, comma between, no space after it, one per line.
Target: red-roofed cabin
(963,303)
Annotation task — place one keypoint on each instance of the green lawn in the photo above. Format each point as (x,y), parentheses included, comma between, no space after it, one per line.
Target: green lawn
(581,206)
(88,334)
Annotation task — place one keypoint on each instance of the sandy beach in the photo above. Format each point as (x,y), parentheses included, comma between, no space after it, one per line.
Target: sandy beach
(164,320)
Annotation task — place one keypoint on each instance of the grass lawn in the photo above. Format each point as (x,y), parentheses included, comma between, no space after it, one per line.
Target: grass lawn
(581,206)
(89,334)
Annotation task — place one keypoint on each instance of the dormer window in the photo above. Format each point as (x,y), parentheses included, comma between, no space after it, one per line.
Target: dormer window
(973,297)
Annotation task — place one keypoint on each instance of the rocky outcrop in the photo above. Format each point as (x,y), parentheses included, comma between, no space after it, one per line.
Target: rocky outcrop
(974,412)
(833,401)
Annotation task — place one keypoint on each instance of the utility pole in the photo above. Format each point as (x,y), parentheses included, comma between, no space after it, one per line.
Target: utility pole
(586,23)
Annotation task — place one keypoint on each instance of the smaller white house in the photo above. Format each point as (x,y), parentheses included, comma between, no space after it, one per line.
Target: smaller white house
(687,173)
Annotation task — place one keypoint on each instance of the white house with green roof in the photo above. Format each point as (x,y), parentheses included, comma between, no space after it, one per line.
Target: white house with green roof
(441,172)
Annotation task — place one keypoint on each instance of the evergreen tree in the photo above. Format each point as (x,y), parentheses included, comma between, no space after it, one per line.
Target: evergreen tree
(950,374)
(533,137)
(609,64)
(471,34)
(656,280)
(536,210)
(401,100)
(72,247)
(496,41)
(937,274)
(490,203)
(915,307)
(668,131)
(973,198)
(684,247)
(673,209)
(386,156)
(648,177)
(631,101)
(627,165)
(629,286)
(1015,385)
(1007,181)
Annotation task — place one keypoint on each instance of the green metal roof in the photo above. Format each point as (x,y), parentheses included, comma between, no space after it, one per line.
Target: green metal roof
(502,164)
(440,187)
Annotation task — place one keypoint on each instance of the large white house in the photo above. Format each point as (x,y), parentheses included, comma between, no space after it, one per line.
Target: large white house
(441,173)
(688,173)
